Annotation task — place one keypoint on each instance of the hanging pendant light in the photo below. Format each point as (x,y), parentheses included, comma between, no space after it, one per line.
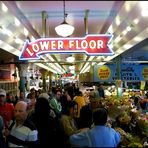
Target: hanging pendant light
(64,29)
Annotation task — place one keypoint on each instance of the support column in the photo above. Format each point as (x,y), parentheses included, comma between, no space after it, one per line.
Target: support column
(44,16)
(23,77)
(44,75)
(118,81)
(50,81)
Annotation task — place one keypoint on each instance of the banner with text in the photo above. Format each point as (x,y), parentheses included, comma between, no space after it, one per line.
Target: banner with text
(129,72)
(90,44)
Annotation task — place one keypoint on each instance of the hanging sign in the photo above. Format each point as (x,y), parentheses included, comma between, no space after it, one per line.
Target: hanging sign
(145,72)
(90,44)
(104,72)
(67,75)
(129,72)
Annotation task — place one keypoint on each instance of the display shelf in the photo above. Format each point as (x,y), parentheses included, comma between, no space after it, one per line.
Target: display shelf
(9,86)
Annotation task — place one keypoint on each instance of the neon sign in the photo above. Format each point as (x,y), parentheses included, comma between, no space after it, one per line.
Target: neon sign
(90,44)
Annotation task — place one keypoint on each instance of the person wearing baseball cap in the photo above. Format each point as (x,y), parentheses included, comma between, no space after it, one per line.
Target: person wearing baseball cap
(2,92)
(6,109)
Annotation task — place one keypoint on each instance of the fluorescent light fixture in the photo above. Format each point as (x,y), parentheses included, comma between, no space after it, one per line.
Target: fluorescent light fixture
(144,12)
(127,7)
(137,39)
(117,21)
(110,30)
(144,4)
(136,21)
(87,69)
(32,38)
(70,59)
(18,41)
(45,67)
(51,59)
(1,41)
(56,68)
(117,39)
(25,31)
(72,71)
(93,63)
(101,63)
(125,32)
(128,28)
(17,22)
(71,67)
(91,58)
(119,51)
(4,8)
(84,67)
(52,65)
(7,32)
(127,46)
(16,52)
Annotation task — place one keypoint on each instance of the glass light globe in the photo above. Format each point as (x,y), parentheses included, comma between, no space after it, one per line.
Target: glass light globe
(64,29)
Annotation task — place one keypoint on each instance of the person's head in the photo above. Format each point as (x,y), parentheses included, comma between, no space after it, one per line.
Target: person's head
(42,106)
(58,94)
(100,116)
(146,95)
(71,108)
(101,87)
(9,96)
(22,96)
(2,97)
(32,90)
(94,95)
(44,95)
(21,112)
(32,95)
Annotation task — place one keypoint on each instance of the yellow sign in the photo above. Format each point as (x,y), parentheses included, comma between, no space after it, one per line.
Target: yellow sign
(145,73)
(142,86)
(104,72)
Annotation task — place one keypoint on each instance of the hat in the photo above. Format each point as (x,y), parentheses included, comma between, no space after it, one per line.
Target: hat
(2,92)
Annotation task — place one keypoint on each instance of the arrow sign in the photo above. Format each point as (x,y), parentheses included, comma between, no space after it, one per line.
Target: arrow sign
(90,44)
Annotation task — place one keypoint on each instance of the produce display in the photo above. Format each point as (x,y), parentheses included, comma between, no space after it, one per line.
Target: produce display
(143,124)
(125,114)
(126,117)
(128,140)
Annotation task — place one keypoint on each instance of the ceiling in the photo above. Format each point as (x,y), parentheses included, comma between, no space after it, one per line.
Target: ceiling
(6,56)
(88,17)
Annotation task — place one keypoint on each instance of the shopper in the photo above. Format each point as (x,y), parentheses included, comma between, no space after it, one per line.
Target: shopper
(45,123)
(56,104)
(99,136)
(101,91)
(21,132)
(6,109)
(2,139)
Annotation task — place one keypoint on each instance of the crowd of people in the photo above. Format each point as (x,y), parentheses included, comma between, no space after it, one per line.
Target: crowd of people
(58,118)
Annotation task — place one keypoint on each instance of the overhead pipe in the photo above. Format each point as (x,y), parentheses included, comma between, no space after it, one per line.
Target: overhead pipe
(63,62)
(86,30)
(86,21)
(44,17)
(66,63)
